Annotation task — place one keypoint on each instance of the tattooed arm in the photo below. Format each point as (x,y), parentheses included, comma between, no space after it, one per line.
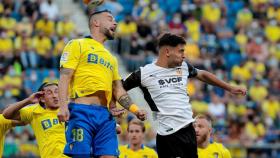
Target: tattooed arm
(63,84)
(125,101)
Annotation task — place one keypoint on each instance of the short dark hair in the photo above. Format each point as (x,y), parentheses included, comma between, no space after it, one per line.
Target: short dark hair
(169,39)
(44,85)
(100,11)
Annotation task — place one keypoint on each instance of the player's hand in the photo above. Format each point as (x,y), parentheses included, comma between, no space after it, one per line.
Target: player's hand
(117,112)
(63,114)
(118,129)
(34,98)
(141,115)
(236,90)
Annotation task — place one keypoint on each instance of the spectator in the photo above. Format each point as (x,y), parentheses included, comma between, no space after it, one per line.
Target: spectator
(49,9)
(135,147)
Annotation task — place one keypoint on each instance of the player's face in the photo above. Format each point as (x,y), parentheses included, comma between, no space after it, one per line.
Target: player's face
(50,97)
(202,130)
(176,56)
(108,25)
(135,134)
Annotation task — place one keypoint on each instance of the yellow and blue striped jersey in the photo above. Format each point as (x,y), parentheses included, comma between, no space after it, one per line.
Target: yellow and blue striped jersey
(214,150)
(5,125)
(49,133)
(144,152)
(95,67)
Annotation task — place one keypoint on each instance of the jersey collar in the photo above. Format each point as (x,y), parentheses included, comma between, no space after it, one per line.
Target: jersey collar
(128,146)
(89,37)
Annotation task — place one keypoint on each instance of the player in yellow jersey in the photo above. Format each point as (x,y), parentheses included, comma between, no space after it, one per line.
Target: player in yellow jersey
(89,76)
(5,125)
(136,148)
(42,116)
(203,129)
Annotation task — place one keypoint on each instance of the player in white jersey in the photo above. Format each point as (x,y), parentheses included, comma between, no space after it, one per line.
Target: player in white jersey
(164,86)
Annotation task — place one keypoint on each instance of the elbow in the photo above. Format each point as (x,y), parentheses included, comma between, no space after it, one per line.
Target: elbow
(6,115)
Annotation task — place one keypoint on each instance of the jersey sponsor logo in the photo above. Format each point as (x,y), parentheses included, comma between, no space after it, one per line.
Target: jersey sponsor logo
(46,124)
(175,81)
(95,59)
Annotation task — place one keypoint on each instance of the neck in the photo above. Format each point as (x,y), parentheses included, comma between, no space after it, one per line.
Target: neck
(204,144)
(52,108)
(135,147)
(161,62)
(98,37)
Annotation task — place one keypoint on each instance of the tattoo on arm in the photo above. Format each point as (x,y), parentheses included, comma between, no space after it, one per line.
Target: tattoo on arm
(125,101)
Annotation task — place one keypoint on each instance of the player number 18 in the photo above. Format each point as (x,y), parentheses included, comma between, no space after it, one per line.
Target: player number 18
(78,134)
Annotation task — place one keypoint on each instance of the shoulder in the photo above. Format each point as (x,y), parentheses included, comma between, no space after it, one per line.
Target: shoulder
(148,68)
(122,147)
(220,146)
(76,41)
(150,150)
(31,108)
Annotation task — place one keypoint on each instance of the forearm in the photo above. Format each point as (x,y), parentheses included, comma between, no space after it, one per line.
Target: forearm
(211,79)
(123,98)
(12,111)
(63,85)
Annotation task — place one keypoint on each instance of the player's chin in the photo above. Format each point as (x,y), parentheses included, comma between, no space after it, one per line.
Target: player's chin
(55,104)
(197,138)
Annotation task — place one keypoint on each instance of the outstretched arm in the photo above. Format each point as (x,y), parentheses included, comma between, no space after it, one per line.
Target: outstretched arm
(12,111)
(63,84)
(210,78)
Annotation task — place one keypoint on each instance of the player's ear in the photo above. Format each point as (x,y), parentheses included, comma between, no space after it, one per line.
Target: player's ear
(96,22)
(167,51)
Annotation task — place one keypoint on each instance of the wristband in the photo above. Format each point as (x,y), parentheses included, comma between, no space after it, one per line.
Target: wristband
(133,108)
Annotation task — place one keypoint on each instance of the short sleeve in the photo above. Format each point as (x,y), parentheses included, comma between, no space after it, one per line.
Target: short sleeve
(155,154)
(133,80)
(26,113)
(116,75)
(70,55)
(192,71)
(5,123)
(226,154)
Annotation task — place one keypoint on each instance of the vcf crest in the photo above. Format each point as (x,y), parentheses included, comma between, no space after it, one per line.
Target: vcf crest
(179,72)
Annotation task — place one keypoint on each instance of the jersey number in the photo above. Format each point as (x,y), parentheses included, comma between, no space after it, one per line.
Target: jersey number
(78,134)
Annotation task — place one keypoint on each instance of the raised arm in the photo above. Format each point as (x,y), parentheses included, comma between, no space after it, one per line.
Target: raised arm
(122,97)
(210,78)
(63,84)
(12,111)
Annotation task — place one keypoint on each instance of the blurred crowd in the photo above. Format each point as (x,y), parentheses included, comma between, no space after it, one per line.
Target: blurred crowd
(238,40)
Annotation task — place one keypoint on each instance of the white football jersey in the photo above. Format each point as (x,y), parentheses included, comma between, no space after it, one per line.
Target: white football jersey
(165,91)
